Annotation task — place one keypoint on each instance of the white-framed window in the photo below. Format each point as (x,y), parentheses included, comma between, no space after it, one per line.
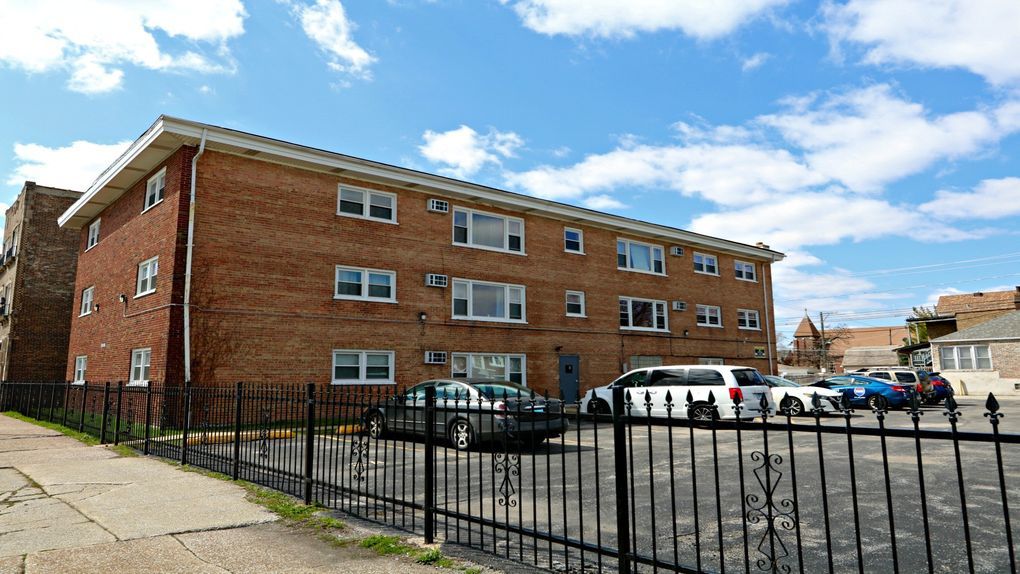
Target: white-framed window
(709,316)
(147,271)
(362,367)
(707,264)
(573,240)
(643,314)
(154,190)
(745,271)
(366,204)
(86,301)
(575,304)
(81,363)
(140,363)
(640,257)
(965,357)
(93,236)
(365,284)
(488,230)
(710,361)
(489,366)
(748,319)
(483,301)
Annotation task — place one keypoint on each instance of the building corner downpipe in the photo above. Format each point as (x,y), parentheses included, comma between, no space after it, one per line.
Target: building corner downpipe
(187,264)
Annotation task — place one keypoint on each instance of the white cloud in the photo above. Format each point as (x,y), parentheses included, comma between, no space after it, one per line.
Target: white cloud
(616,18)
(755,61)
(991,199)
(867,138)
(977,35)
(602,202)
(326,24)
(95,39)
(74,166)
(464,151)
(725,174)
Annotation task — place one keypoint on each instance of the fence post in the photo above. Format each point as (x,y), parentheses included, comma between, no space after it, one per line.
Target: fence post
(81,413)
(430,464)
(309,440)
(67,397)
(187,422)
(620,471)
(116,429)
(238,397)
(148,417)
(3,396)
(106,413)
(53,396)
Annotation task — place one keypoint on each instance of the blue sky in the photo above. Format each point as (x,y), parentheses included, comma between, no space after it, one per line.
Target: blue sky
(875,142)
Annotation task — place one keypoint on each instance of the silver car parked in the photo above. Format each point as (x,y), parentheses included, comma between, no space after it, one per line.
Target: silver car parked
(469,412)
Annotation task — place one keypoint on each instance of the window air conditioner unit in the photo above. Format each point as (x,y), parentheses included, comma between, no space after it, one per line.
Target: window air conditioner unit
(436,280)
(679,306)
(439,206)
(676,250)
(435,357)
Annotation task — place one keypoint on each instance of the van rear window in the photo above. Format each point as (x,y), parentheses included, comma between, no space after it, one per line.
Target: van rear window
(705,377)
(905,377)
(748,378)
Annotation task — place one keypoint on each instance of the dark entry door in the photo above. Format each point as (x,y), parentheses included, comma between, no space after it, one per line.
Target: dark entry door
(570,366)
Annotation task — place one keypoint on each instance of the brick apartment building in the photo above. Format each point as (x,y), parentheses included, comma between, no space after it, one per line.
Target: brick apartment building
(37,268)
(311,266)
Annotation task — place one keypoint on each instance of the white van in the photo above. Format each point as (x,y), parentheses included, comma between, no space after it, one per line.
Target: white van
(726,383)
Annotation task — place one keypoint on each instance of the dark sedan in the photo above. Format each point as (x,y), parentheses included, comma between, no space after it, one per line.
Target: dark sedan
(471,411)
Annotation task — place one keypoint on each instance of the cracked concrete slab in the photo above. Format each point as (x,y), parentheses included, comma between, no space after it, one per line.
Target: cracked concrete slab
(12,565)
(157,555)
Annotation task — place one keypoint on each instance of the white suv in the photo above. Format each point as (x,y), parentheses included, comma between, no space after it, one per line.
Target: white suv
(726,383)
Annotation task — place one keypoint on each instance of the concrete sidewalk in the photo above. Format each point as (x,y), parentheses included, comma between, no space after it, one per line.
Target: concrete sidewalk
(66,507)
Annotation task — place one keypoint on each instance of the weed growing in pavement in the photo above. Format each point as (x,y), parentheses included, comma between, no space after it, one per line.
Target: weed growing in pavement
(392,545)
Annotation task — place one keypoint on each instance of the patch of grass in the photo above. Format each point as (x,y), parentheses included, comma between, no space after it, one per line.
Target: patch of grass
(433,557)
(393,546)
(386,545)
(473,570)
(123,450)
(79,436)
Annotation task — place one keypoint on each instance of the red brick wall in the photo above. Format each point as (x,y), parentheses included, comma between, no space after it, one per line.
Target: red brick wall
(40,323)
(126,238)
(268,238)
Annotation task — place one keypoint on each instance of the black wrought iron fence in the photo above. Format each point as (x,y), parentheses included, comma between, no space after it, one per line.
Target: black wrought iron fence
(575,492)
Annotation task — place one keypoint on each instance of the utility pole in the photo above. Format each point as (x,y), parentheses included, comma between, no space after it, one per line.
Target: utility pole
(825,344)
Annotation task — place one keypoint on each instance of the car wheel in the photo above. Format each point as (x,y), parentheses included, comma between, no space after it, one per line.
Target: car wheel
(375,424)
(793,406)
(461,435)
(598,407)
(878,403)
(701,414)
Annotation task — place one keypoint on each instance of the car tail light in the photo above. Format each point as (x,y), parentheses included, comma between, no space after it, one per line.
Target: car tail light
(937,383)
(899,389)
(736,394)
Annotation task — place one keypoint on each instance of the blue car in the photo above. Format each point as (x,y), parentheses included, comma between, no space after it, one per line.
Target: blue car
(869,392)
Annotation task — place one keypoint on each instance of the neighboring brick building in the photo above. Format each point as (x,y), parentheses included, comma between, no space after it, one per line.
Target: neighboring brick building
(313,266)
(982,358)
(36,285)
(807,347)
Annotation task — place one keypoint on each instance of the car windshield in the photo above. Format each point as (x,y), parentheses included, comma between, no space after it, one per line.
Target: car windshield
(780,382)
(748,378)
(498,390)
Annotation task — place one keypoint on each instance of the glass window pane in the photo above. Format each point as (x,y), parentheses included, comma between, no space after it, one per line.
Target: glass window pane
(488,301)
(352,201)
(515,243)
(381,291)
(621,254)
(515,364)
(460,290)
(513,227)
(381,200)
(488,366)
(377,372)
(624,313)
(459,364)
(640,257)
(488,230)
(345,359)
(460,307)
(965,359)
(345,373)
(380,212)
(642,314)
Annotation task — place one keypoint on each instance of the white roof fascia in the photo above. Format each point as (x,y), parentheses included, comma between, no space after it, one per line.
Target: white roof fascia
(127,157)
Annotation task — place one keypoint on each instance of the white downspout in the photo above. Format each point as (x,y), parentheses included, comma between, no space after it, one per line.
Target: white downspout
(768,319)
(187,265)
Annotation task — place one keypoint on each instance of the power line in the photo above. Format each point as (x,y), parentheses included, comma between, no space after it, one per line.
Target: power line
(881,292)
(898,270)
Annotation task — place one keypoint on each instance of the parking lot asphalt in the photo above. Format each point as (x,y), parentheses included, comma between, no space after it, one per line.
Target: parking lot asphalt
(567,488)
